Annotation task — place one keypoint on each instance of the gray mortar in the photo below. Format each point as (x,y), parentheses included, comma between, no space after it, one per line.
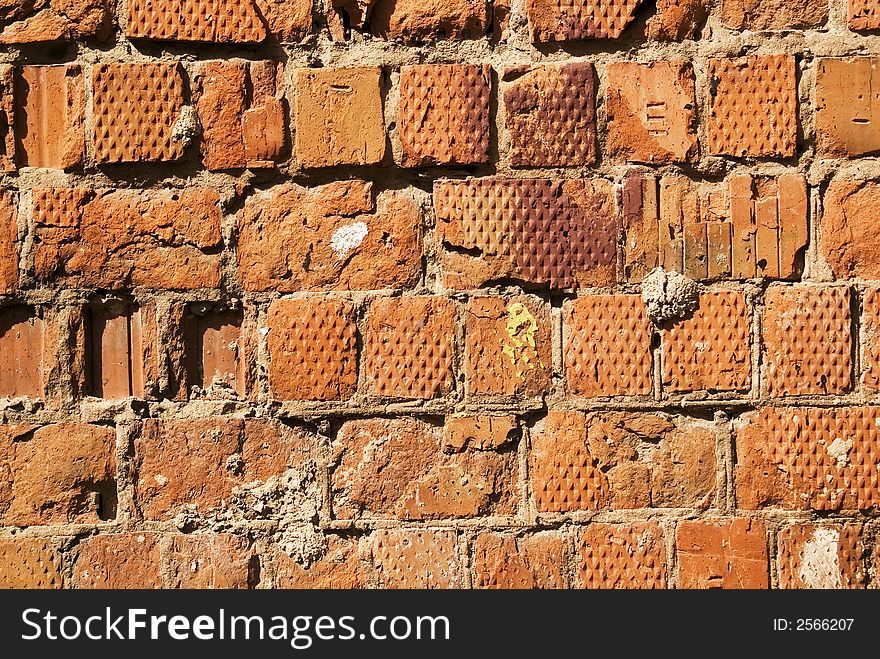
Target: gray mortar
(669,296)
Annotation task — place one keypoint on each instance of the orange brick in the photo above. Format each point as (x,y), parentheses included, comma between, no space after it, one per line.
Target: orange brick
(127,560)
(207,560)
(403,558)
(313,349)
(731,554)
(21,352)
(426,20)
(508,346)
(337,568)
(241,111)
(36,22)
(331,237)
(555,102)
(7,118)
(847,106)
(8,242)
(198,463)
(482,432)
(651,112)
(137,108)
(677,20)
(409,347)
(753,106)
(774,14)
(871,339)
(216,354)
(531,561)
(607,346)
(397,468)
(555,233)
(50,108)
(29,563)
(710,349)
(850,241)
(195,20)
(57,474)
(444,114)
(119,355)
(863,15)
(807,341)
(804,458)
(338,117)
(619,556)
(575,20)
(827,556)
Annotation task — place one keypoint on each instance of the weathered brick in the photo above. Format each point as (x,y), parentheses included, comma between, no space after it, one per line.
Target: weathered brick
(7,118)
(402,558)
(651,110)
(536,560)
(508,347)
(397,468)
(555,102)
(196,20)
(807,341)
(426,20)
(119,238)
(8,242)
(863,15)
(827,556)
(560,234)
(482,432)
(607,346)
(26,21)
(574,20)
(774,14)
(711,348)
(677,20)
(338,117)
(200,463)
(444,114)
(241,111)
(49,113)
(215,351)
(808,458)
(850,241)
(409,347)
(57,474)
(288,21)
(847,106)
(870,334)
(206,560)
(337,568)
(332,237)
(120,360)
(126,560)
(29,563)
(21,352)
(313,349)
(621,556)
(731,554)
(753,106)
(138,112)
(622,460)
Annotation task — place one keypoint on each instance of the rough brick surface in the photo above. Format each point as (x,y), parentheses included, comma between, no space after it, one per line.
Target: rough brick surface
(55,20)
(7,118)
(677,20)
(8,242)
(207,561)
(415,559)
(847,107)
(21,352)
(850,243)
(337,568)
(620,556)
(870,334)
(127,560)
(29,563)
(863,15)
(827,556)
(723,555)
(507,561)
(571,20)
(773,15)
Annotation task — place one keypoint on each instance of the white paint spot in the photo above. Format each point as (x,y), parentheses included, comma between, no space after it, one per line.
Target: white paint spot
(348,238)
(839,451)
(159,478)
(820,567)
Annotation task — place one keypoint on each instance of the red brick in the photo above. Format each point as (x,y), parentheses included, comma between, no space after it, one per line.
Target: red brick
(827,556)
(575,20)
(195,20)
(774,14)
(531,561)
(57,474)
(863,15)
(426,20)
(397,468)
(21,353)
(215,351)
(206,560)
(807,341)
(402,558)
(29,563)
(200,462)
(8,242)
(870,334)
(241,112)
(7,118)
(808,458)
(289,21)
(847,107)
(607,344)
(753,106)
(651,111)
(849,238)
(677,20)
(443,117)
(337,568)
(56,20)
(619,556)
(731,554)
(711,348)
(508,347)
(313,349)
(622,460)
(409,347)
(50,108)
(120,238)
(560,234)
(338,117)
(331,237)
(127,560)
(555,102)
(120,361)
(137,109)
(483,432)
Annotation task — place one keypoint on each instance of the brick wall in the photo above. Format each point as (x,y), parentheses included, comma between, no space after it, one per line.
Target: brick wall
(366,294)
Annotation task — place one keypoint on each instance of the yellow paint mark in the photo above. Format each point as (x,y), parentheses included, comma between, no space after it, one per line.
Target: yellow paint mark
(519,346)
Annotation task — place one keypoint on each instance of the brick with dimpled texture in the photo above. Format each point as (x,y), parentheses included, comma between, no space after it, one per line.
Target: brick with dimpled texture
(118,561)
(864,15)
(870,333)
(821,556)
(221,21)
(730,554)
(621,556)
(847,107)
(426,20)
(415,558)
(530,561)
(575,20)
(30,563)
(206,560)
